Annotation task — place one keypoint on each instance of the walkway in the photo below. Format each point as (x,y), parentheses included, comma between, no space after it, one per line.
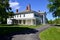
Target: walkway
(30,36)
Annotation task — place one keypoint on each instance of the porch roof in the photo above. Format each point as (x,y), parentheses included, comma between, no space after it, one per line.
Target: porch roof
(22,18)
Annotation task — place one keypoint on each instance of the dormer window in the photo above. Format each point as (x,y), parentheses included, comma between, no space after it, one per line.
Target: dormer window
(15,16)
(24,15)
(20,15)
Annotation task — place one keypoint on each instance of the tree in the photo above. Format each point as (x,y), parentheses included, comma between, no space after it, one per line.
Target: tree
(54,7)
(50,22)
(57,21)
(5,10)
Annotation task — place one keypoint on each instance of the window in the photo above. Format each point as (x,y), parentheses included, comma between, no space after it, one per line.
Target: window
(20,15)
(17,15)
(24,15)
(36,15)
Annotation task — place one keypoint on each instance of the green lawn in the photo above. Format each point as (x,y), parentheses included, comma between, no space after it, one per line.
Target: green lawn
(7,29)
(52,33)
(29,26)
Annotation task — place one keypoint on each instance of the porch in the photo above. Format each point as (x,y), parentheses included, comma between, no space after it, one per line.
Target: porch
(24,22)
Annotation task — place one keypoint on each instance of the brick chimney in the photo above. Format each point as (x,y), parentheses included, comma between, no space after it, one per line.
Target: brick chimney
(16,10)
(28,8)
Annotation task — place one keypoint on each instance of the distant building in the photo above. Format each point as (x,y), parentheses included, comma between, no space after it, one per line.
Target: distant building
(28,17)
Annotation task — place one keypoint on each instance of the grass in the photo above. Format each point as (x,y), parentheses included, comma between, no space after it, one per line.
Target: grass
(52,33)
(10,31)
(6,29)
(29,26)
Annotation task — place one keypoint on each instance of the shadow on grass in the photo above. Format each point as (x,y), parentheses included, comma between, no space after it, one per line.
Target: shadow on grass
(57,25)
(6,33)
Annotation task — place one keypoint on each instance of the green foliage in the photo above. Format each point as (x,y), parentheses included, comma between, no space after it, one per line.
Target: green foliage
(50,22)
(5,10)
(54,7)
(50,34)
(56,21)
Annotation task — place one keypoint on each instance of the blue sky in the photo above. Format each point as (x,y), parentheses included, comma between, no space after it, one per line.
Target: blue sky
(35,5)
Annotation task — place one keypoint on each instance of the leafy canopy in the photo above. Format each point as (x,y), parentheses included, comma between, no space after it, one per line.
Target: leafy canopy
(5,10)
(54,7)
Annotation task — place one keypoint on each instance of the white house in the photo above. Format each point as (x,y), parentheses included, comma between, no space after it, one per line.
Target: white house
(27,17)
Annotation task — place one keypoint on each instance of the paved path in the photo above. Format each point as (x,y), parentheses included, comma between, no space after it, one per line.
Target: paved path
(31,36)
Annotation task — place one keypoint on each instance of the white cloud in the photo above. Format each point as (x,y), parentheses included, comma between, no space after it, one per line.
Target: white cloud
(14,5)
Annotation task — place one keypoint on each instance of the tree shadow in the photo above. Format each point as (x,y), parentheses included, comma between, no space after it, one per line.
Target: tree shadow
(57,25)
(6,33)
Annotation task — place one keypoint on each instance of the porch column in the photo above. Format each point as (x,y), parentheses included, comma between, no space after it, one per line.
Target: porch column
(31,21)
(26,22)
(41,20)
(22,22)
(35,21)
(44,19)
(18,21)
